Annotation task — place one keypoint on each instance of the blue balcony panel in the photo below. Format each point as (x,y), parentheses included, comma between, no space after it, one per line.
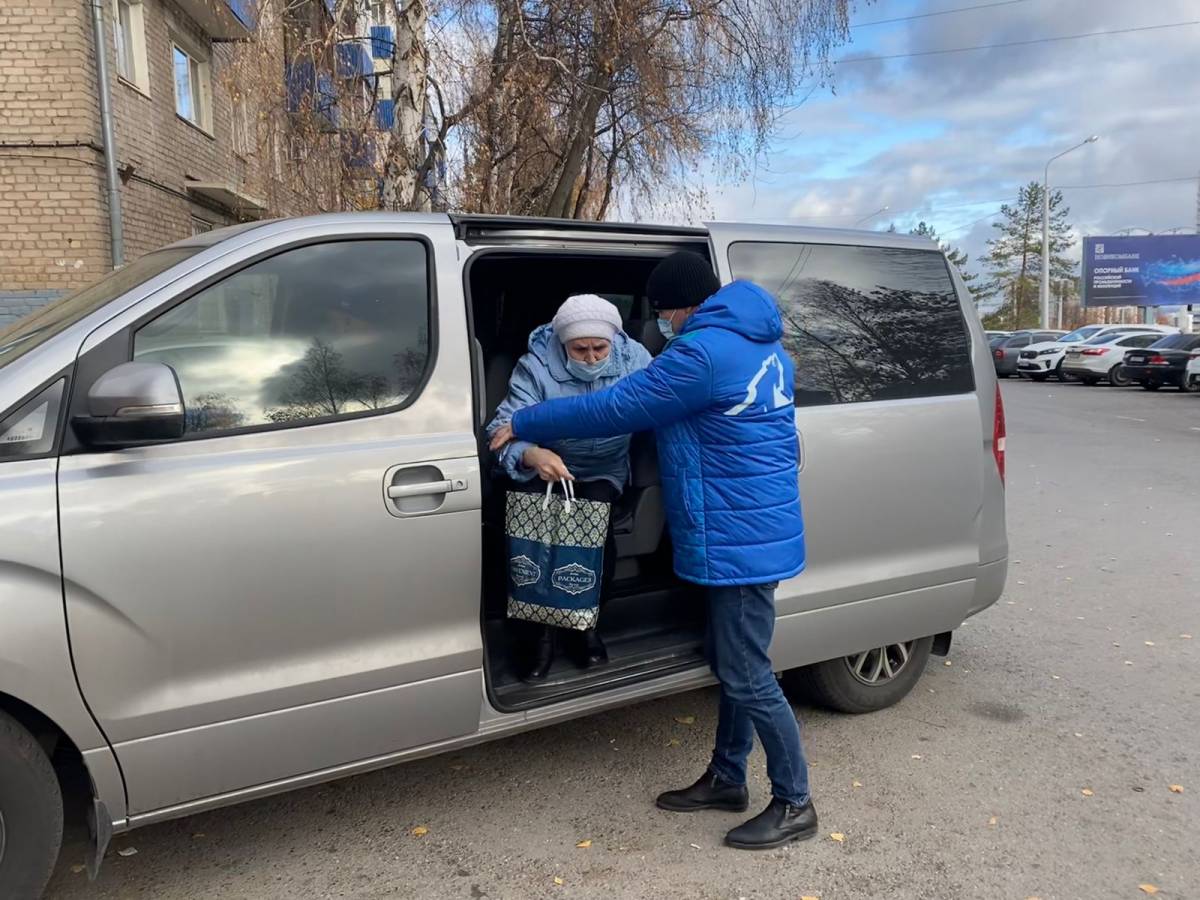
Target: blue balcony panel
(383,41)
(354,61)
(385,114)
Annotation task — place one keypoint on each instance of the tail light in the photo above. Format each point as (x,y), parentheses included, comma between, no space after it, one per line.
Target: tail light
(1157,360)
(999,354)
(999,432)
(1095,351)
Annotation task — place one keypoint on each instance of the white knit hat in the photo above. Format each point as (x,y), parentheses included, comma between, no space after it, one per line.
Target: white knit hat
(586,316)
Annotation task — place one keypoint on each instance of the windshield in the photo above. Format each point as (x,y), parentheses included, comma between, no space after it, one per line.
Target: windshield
(1079,334)
(39,326)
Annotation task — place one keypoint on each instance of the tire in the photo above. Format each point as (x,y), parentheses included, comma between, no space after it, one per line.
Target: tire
(1150,385)
(1061,375)
(1003,374)
(1040,377)
(1189,387)
(31,812)
(834,685)
(1117,376)
(1088,380)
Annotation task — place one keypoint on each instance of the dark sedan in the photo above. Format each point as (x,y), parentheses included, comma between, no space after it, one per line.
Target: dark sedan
(1164,362)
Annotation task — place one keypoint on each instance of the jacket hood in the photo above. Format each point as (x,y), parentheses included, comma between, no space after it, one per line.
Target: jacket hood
(741,307)
(549,350)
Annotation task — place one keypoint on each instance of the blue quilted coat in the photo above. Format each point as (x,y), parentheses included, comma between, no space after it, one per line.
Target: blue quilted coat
(719,399)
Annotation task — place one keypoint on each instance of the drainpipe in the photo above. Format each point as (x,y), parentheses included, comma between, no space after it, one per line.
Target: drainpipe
(115,228)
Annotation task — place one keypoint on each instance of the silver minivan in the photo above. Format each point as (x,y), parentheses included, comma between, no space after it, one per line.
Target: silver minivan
(248,537)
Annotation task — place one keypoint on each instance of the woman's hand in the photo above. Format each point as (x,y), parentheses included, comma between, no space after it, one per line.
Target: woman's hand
(501,436)
(547,464)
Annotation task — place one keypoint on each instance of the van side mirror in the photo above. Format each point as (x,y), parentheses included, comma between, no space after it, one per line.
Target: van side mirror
(132,405)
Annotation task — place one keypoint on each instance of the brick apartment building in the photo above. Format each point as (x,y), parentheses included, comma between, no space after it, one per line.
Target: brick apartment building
(190,149)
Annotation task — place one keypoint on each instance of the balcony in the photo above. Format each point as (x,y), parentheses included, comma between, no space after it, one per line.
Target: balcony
(223,20)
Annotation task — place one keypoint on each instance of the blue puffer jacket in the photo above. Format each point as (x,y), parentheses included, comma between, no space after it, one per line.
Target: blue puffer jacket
(720,400)
(541,374)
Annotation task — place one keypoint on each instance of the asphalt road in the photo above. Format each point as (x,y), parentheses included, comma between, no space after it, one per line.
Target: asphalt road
(1036,762)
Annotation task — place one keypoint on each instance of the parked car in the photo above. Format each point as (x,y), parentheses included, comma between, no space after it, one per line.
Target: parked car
(1006,351)
(1102,358)
(248,541)
(1040,360)
(1164,362)
(993,336)
(1192,372)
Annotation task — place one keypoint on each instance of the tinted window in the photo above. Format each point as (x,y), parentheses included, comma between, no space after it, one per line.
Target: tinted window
(1138,340)
(324,330)
(1046,336)
(1020,340)
(1177,342)
(30,429)
(48,321)
(863,323)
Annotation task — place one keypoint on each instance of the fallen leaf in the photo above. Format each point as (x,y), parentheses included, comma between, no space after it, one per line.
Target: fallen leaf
(1033,898)
(810,897)
(127,851)
(856,784)
(1129,662)
(583,845)
(1056,677)
(1176,789)
(420,831)
(1148,888)
(694,846)
(1148,643)
(947,663)
(1079,734)
(839,837)
(1087,792)
(558,881)
(77,869)
(686,720)
(917,756)
(993,820)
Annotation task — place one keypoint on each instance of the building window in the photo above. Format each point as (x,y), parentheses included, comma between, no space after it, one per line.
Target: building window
(129,37)
(192,89)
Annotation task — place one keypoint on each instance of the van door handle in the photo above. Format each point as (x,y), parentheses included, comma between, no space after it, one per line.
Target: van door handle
(428,488)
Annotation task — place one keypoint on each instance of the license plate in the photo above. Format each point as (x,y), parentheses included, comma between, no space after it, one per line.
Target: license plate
(1136,360)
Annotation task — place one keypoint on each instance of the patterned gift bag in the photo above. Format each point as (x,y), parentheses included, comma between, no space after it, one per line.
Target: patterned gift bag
(555,557)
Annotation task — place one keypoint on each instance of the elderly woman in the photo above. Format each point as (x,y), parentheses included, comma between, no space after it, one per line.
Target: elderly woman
(582,350)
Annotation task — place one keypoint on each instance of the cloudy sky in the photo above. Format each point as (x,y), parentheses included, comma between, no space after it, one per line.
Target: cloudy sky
(947,138)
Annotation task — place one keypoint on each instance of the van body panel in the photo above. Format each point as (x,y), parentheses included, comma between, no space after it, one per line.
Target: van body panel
(210,581)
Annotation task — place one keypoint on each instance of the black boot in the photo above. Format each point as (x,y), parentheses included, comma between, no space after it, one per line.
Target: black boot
(780,823)
(542,657)
(590,649)
(710,792)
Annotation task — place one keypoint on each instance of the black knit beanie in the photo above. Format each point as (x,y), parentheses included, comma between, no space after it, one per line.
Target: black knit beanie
(681,280)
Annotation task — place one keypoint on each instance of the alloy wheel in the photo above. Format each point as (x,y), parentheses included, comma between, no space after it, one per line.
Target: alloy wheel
(880,664)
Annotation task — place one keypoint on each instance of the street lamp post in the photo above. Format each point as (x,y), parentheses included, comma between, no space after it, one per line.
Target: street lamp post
(1045,292)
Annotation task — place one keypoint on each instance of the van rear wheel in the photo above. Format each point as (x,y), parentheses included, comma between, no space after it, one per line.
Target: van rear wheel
(31,812)
(864,682)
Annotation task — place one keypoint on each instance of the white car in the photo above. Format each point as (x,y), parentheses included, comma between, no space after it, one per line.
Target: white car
(1191,374)
(1101,358)
(1040,361)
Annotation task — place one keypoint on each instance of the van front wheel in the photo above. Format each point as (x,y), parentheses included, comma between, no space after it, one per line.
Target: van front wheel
(31,812)
(864,682)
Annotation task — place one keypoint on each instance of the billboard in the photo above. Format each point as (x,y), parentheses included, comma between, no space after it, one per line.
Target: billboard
(1141,270)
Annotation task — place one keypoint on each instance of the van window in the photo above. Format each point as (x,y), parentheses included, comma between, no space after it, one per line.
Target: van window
(29,431)
(315,332)
(40,326)
(863,323)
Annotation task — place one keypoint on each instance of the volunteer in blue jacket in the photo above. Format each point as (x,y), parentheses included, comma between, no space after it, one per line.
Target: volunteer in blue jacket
(719,398)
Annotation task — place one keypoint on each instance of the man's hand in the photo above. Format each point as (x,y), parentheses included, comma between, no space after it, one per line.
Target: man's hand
(501,436)
(547,464)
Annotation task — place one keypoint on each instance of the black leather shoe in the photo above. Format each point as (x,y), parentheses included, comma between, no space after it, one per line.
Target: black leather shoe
(710,792)
(780,823)
(542,657)
(592,649)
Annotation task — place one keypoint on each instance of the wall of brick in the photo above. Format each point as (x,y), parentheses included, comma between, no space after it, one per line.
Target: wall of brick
(15,305)
(53,203)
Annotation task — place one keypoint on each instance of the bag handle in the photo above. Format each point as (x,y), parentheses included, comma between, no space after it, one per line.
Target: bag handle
(568,494)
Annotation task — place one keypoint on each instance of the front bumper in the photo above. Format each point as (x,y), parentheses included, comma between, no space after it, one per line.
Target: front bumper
(1043,365)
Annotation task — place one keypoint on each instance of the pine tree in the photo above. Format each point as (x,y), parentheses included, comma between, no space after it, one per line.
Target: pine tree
(958,258)
(1014,257)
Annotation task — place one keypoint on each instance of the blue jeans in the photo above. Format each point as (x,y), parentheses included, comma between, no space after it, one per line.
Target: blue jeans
(741,620)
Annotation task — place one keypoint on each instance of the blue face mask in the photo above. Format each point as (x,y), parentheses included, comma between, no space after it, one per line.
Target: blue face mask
(667,329)
(586,372)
